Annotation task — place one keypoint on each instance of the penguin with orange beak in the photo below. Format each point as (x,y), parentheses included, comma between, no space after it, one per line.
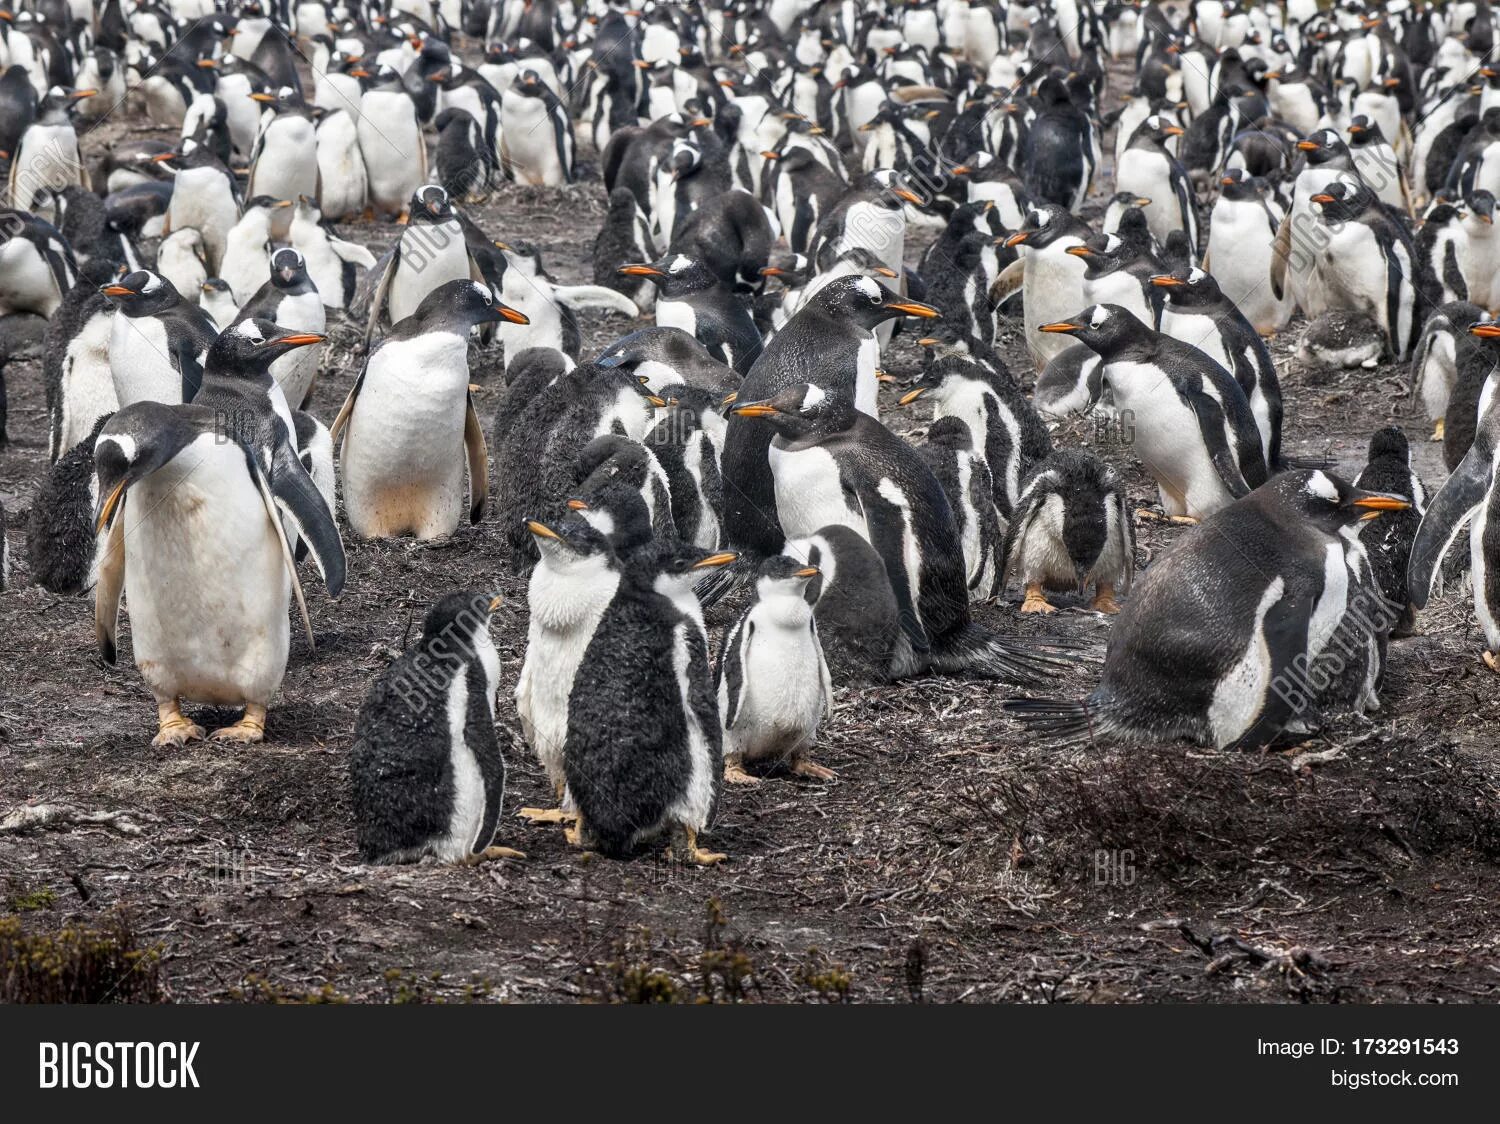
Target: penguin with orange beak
(1151,172)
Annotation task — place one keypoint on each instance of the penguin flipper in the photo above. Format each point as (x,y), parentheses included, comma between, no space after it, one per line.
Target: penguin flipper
(1211,426)
(888,537)
(107,590)
(1457,500)
(824,676)
(264,487)
(345,410)
(295,493)
(479,463)
(1009,282)
(1015,534)
(578,297)
(351,252)
(731,669)
(1281,250)
(1284,630)
(382,291)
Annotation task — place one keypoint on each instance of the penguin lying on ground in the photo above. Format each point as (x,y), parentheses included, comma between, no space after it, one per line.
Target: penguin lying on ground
(1435,363)
(1235,634)
(549,306)
(333,263)
(426,773)
(1071,529)
(773,684)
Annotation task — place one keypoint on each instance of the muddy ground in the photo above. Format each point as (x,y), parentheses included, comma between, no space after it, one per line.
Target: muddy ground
(950,861)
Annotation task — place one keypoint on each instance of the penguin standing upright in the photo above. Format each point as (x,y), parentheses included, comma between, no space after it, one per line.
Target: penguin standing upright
(773,683)
(690,297)
(208,623)
(1194,430)
(247,246)
(37,267)
(407,415)
(1442,249)
(158,340)
(1060,151)
(1389,541)
(75,361)
(1222,639)
(1071,529)
(204,197)
(343,181)
(1149,170)
(390,140)
(1241,234)
(280,166)
(426,773)
(46,159)
(536,144)
(1049,277)
(855,608)
(1435,364)
(290,300)
(965,476)
(431,252)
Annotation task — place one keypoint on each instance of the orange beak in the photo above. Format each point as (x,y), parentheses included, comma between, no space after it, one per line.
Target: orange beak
(913,308)
(1060,326)
(641,271)
(511,314)
(1165,281)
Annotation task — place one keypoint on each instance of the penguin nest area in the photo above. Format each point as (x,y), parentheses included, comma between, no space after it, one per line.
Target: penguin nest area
(952,860)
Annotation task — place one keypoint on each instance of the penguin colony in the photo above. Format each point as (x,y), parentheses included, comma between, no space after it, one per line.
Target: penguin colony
(767,168)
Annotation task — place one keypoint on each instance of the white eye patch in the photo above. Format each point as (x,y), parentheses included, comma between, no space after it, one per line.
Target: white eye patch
(1101,314)
(1319,485)
(812,396)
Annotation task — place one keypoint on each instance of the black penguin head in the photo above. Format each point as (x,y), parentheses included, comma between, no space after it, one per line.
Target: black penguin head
(1103,254)
(283,99)
(782,575)
(680,566)
(1364,132)
(461,622)
(141,293)
(613,457)
(289,269)
(891,188)
(1343,200)
(267,203)
(572,546)
(1323,146)
(248,347)
(1481,205)
(134,443)
(669,346)
(951,371)
(430,203)
(1441,212)
(1390,443)
(1044,225)
(867,302)
(801,410)
(1239,186)
(793,270)
(1105,328)
(614,508)
(1157,129)
(1190,288)
(461,304)
(1329,501)
(676,275)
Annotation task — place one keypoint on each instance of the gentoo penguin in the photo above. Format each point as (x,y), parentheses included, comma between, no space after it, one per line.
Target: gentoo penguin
(1199,314)
(690,297)
(829,343)
(1195,432)
(833,464)
(1060,151)
(333,263)
(431,252)
(217,299)
(426,773)
(625,237)
(247,246)
(665,357)
(1468,495)
(1481,260)
(686,441)
(204,196)
(1147,169)
(1072,529)
(1050,279)
(280,166)
(1223,638)
(1436,362)
(773,684)
(463,160)
(644,749)
(1376,163)
(1442,249)
(180,259)
(390,139)
(570,589)
(1119,270)
(549,305)
(855,608)
(1325,160)
(870,216)
(536,138)
(407,415)
(1006,432)
(60,543)
(1366,263)
(46,160)
(37,266)
(158,340)
(960,468)
(610,460)
(208,624)
(343,182)
(75,361)
(803,189)
(1389,541)
(290,300)
(1241,231)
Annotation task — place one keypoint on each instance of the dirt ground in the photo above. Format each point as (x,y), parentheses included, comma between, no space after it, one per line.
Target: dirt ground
(950,861)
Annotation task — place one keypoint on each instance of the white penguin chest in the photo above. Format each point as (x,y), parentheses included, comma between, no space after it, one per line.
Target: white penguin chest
(809,494)
(139,361)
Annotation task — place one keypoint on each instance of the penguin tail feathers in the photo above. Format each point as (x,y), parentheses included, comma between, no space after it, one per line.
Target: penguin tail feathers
(1024,661)
(1323,462)
(718,584)
(1061,722)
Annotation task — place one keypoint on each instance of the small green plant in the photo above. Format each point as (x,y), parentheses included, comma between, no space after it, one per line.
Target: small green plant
(828,980)
(32,901)
(78,965)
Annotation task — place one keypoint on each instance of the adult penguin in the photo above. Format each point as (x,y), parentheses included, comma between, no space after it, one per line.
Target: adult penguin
(1117,272)
(1198,313)
(690,297)
(407,415)
(1049,278)
(46,160)
(1229,639)
(37,266)
(390,139)
(1241,231)
(426,773)
(431,252)
(1060,152)
(803,190)
(1195,432)
(536,145)
(833,464)
(1468,496)
(280,166)
(663,357)
(829,343)
(205,196)
(1150,171)
(1388,469)
(870,215)
(208,624)
(1325,159)
(158,340)
(290,301)
(75,361)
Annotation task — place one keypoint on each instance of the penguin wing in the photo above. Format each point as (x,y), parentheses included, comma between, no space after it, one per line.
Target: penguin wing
(1284,630)
(382,291)
(888,536)
(348,408)
(351,252)
(479,462)
(578,297)
(1453,276)
(1008,282)
(1211,417)
(1015,534)
(296,494)
(482,738)
(823,674)
(1281,250)
(1457,500)
(731,671)
(269,501)
(187,357)
(1125,530)
(107,590)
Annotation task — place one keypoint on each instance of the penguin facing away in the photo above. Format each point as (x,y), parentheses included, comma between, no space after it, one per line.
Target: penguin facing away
(426,772)
(1389,539)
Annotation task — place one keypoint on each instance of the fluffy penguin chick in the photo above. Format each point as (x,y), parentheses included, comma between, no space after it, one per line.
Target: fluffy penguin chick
(773,683)
(426,772)
(1072,529)
(644,749)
